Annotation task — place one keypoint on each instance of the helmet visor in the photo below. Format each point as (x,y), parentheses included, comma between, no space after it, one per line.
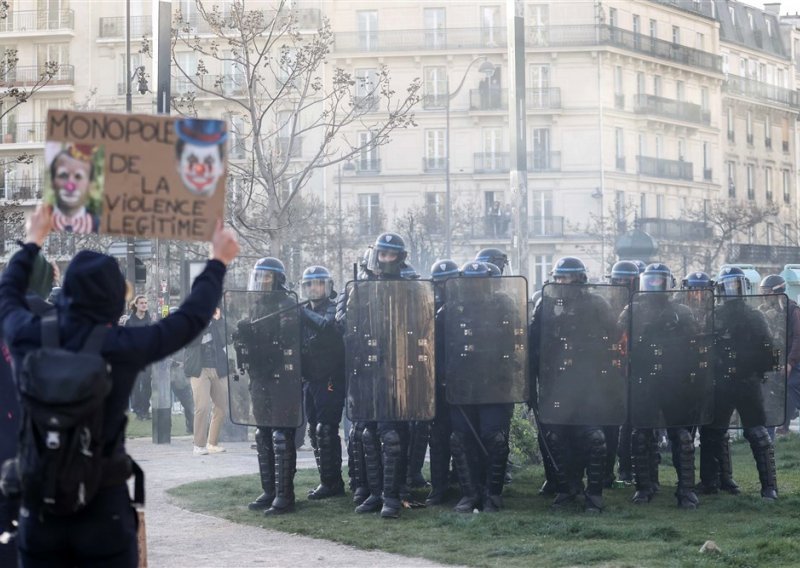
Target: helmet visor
(261,281)
(733,286)
(315,289)
(653,282)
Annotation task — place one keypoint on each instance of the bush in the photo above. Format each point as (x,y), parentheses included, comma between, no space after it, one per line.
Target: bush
(522,440)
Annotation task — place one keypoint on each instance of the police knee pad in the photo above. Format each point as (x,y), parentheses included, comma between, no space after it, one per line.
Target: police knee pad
(596,439)
(457,442)
(495,441)
(263,436)
(641,437)
(757,436)
(280,439)
(685,437)
(391,442)
(326,431)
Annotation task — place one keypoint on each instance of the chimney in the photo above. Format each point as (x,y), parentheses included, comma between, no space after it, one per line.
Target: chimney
(772,8)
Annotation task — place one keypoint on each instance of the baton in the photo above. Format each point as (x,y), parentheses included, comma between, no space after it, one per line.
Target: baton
(474,433)
(543,438)
(279,312)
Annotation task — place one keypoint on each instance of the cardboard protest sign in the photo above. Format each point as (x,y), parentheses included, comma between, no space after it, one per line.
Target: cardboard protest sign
(134,174)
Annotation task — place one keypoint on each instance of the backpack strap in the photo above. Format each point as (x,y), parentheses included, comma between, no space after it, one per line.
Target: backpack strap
(94,343)
(50,329)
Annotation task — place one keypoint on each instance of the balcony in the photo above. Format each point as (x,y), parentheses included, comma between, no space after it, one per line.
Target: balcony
(497,99)
(669,169)
(230,85)
(761,255)
(28,76)
(419,39)
(669,108)
(115,27)
(434,101)
(491,163)
(434,164)
(499,227)
(367,166)
(675,229)
(38,20)
(735,85)
(22,133)
(22,190)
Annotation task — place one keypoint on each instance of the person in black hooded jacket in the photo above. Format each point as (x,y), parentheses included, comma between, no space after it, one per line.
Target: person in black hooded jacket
(104,532)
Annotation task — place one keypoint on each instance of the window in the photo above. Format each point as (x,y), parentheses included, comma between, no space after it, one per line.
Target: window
(700,42)
(768,131)
(681,149)
(725,63)
(185,66)
(653,30)
(369,212)
(657,85)
(612,17)
(643,205)
(542,213)
(642,145)
(750,19)
(640,88)
(768,183)
(676,35)
(367,29)
(435,27)
(619,145)
(435,86)
(749,125)
(491,25)
(706,162)
(785,135)
(637,25)
(787,196)
(136,61)
(539,20)
(542,264)
(751,182)
(541,148)
(367,159)
(743,67)
(434,201)
(539,76)
(238,134)
(659,206)
(57,52)
(750,235)
(492,147)
(679,90)
(733,14)
(619,207)
(787,234)
(618,86)
(731,136)
(769,233)
(731,179)
(659,147)
(704,100)
(769,27)
(366,85)
(435,149)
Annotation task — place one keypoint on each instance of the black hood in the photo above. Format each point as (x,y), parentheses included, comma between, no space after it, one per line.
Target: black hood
(94,288)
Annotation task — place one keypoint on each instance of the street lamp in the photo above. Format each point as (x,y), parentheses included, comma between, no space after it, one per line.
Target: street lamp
(487,68)
(348,167)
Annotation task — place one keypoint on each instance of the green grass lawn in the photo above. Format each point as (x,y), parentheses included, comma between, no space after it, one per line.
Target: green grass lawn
(144,428)
(748,531)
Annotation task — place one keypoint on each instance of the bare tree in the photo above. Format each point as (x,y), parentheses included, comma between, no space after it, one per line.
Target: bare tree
(291,114)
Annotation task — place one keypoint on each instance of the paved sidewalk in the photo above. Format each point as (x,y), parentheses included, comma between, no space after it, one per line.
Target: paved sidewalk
(177,538)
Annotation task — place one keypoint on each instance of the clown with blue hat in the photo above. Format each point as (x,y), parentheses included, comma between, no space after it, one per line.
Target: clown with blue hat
(200,154)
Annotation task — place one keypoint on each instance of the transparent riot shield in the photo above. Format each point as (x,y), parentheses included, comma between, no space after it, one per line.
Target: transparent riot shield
(582,361)
(264,379)
(486,340)
(751,351)
(671,359)
(389,350)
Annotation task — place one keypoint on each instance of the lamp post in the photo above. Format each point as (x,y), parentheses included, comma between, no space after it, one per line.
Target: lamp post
(349,167)
(487,69)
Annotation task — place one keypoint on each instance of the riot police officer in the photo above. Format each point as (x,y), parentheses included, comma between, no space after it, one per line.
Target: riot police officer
(618,440)
(440,429)
(743,338)
(661,321)
(479,439)
(574,449)
(277,455)
(493,256)
(322,357)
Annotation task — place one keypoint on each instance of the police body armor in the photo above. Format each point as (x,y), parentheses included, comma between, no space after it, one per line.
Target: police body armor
(265,383)
(486,340)
(751,356)
(671,361)
(582,363)
(389,350)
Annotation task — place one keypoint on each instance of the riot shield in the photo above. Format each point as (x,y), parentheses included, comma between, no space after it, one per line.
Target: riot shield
(389,350)
(264,383)
(486,340)
(671,362)
(582,362)
(751,351)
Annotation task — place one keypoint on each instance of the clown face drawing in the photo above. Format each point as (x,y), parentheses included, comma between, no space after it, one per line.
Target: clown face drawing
(199,151)
(71,175)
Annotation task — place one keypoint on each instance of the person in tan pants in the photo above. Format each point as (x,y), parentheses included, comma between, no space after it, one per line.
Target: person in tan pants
(206,366)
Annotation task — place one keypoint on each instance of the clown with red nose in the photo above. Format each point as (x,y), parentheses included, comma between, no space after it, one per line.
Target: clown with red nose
(200,154)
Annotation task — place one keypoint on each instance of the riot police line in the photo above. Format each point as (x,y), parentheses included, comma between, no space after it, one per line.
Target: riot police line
(607,369)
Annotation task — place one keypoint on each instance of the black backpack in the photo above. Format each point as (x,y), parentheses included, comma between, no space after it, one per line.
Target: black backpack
(60,464)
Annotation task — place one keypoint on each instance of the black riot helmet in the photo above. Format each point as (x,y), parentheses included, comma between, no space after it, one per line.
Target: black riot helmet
(317,283)
(476,269)
(494,256)
(569,270)
(386,246)
(773,284)
(625,273)
(657,277)
(697,281)
(732,282)
(444,269)
(494,269)
(268,274)
(408,272)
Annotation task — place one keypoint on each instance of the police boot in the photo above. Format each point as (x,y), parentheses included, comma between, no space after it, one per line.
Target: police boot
(497,447)
(563,476)
(726,482)
(372,458)
(266,470)
(595,470)
(440,466)
(642,442)
(285,464)
(330,463)
(393,473)
(417,447)
(764,454)
(469,493)
(683,459)
(356,462)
